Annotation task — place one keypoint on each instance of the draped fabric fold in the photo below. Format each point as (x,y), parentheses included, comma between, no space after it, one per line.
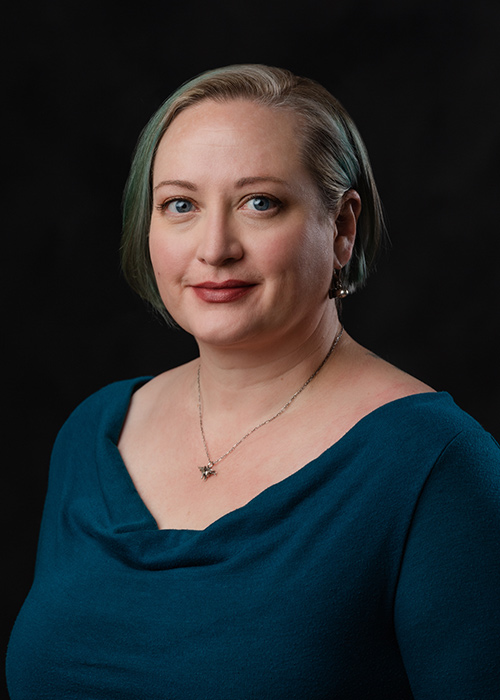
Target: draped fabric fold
(293,595)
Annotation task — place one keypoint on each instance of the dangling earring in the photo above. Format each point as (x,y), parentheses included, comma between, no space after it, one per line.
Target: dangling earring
(337,289)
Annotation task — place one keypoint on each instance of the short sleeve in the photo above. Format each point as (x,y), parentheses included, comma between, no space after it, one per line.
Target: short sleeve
(447,605)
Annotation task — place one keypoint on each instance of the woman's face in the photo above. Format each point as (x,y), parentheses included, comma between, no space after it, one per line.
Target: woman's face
(240,245)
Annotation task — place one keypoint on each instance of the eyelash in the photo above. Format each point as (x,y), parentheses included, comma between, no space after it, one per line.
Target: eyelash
(274,200)
(163,206)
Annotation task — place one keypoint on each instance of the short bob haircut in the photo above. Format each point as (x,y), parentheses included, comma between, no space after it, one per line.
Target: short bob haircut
(331,149)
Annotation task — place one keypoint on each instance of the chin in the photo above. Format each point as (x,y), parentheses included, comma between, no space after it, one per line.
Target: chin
(224,337)
(234,325)
(227,331)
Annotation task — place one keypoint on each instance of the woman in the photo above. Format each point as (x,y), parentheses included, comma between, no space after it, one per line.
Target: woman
(288,516)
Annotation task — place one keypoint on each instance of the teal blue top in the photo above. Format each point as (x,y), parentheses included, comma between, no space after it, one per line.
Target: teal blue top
(372,572)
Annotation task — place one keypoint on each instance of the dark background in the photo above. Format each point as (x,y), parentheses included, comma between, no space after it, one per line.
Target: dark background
(421,80)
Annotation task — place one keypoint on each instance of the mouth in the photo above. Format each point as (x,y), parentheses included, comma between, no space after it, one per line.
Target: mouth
(222,292)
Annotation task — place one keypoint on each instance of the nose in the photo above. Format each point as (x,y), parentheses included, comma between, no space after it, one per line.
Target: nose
(219,242)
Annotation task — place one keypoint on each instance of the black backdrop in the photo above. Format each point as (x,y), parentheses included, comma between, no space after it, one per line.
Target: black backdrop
(421,80)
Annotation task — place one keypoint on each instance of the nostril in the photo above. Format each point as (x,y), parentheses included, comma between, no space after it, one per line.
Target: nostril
(220,250)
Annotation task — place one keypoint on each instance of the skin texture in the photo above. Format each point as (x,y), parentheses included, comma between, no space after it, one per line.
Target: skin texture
(243,254)
(285,252)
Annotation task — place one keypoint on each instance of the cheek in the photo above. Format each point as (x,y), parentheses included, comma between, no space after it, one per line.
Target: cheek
(166,258)
(154,254)
(306,252)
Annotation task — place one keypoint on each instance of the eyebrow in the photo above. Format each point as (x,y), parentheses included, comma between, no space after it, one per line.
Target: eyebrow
(243,182)
(177,183)
(264,178)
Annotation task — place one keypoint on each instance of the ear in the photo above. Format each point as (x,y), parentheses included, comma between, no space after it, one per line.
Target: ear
(345,228)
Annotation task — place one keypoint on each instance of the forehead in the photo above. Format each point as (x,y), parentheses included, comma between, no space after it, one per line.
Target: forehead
(240,132)
(246,114)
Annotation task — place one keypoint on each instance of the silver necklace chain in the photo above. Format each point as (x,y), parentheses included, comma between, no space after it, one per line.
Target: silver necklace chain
(208,470)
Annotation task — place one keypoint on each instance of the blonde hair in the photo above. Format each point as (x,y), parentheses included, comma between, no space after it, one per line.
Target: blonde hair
(331,148)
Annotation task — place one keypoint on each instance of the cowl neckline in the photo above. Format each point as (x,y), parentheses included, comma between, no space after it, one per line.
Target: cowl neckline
(130,515)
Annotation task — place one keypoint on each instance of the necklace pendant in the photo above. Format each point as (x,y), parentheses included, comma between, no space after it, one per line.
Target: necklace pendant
(207,470)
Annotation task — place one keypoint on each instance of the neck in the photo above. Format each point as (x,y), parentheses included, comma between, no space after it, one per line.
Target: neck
(258,380)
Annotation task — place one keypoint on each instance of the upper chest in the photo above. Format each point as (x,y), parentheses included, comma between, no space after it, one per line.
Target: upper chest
(162,446)
(163,456)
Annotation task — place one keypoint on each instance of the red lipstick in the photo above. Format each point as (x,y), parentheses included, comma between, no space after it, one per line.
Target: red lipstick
(222,292)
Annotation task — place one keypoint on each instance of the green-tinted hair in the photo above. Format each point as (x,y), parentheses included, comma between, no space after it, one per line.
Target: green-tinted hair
(331,149)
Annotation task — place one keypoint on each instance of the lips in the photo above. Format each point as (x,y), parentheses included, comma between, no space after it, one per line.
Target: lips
(222,292)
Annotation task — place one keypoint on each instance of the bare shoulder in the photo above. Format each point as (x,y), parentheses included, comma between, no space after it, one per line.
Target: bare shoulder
(158,394)
(378,382)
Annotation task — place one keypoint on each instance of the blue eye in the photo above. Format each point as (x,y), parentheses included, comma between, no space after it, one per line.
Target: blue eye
(179,206)
(261,203)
